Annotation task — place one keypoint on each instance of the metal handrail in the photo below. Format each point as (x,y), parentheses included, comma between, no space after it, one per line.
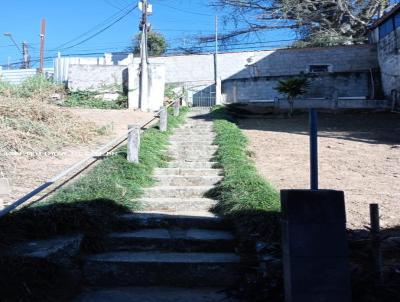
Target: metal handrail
(97,155)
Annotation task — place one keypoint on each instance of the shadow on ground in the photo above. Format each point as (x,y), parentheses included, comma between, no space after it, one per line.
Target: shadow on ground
(38,279)
(356,125)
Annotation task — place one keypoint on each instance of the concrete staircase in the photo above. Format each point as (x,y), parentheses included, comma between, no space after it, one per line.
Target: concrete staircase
(176,250)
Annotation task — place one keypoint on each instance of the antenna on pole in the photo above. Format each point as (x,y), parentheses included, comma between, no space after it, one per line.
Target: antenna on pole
(42,39)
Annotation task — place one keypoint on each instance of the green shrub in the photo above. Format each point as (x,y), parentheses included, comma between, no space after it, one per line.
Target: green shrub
(89,99)
(37,85)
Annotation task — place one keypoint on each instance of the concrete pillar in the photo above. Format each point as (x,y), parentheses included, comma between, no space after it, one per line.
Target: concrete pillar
(218,92)
(176,108)
(133,86)
(315,252)
(163,119)
(133,144)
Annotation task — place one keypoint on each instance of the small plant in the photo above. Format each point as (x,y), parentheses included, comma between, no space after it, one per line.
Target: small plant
(90,99)
(293,88)
(174,92)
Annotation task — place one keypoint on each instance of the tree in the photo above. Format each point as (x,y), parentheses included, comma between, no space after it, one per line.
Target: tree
(156,44)
(293,88)
(318,22)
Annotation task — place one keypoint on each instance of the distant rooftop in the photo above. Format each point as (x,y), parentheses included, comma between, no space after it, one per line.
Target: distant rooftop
(395,9)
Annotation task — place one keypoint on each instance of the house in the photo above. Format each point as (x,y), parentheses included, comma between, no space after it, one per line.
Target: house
(385,34)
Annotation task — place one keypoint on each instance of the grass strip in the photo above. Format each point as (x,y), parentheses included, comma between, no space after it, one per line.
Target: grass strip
(243,188)
(244,195)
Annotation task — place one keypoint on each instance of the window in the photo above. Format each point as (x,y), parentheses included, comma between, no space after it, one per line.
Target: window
(386,28)
(320,68)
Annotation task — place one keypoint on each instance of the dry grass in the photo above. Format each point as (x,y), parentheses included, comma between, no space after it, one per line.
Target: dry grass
(30,123)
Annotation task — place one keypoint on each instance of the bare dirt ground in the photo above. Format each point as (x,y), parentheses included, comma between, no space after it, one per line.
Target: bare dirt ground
(359,153)
(27,174)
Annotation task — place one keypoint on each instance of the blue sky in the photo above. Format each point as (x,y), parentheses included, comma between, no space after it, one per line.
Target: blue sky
(178,20)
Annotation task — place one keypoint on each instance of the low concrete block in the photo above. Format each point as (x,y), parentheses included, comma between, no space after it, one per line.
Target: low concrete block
(315,253)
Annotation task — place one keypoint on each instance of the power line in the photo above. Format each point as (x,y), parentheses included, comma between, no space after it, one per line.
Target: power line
(100,31)
(112,4)
(111,18)
(184,10)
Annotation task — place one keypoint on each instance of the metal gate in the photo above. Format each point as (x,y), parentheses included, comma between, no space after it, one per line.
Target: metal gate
(204,97)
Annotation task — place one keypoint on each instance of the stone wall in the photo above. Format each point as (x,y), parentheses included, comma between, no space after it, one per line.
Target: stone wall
(250,64)
(252,75)
(389,61)
(352,84)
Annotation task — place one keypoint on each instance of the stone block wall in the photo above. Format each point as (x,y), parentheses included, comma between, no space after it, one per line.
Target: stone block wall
(389,61)
(352,84)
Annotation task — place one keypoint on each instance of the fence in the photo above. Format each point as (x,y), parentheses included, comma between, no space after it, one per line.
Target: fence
(17,76)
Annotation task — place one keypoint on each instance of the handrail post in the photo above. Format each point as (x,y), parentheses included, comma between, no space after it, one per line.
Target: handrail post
(375,242)
(176,107)
(163,119)
(133,144)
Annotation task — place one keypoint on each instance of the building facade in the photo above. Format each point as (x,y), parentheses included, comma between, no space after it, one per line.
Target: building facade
(385,34)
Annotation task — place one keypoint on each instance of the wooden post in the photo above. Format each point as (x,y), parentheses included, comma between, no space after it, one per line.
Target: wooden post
(176,107)
(163,119)
(133,144)
(375,242)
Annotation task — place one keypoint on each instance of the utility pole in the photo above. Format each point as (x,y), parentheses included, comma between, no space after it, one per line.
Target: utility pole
(146,9)
(42,39)
(216,71)
(8,34)
(25,55)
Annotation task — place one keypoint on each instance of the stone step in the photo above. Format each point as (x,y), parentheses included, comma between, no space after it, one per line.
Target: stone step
(190,143)
(192,156)
(191,164)
(176,191)
(192,131)
(196,129)
(176,203)
(161,269)
(187,172)
(204,150)
(174,240)
(154,294)
(175,180)
(192,148)
(197,125)
(192,138)
(178,219)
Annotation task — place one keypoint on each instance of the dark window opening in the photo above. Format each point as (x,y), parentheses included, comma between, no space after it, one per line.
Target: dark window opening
(318,68)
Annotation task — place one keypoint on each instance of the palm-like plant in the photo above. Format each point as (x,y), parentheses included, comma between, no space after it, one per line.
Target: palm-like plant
(293,87)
